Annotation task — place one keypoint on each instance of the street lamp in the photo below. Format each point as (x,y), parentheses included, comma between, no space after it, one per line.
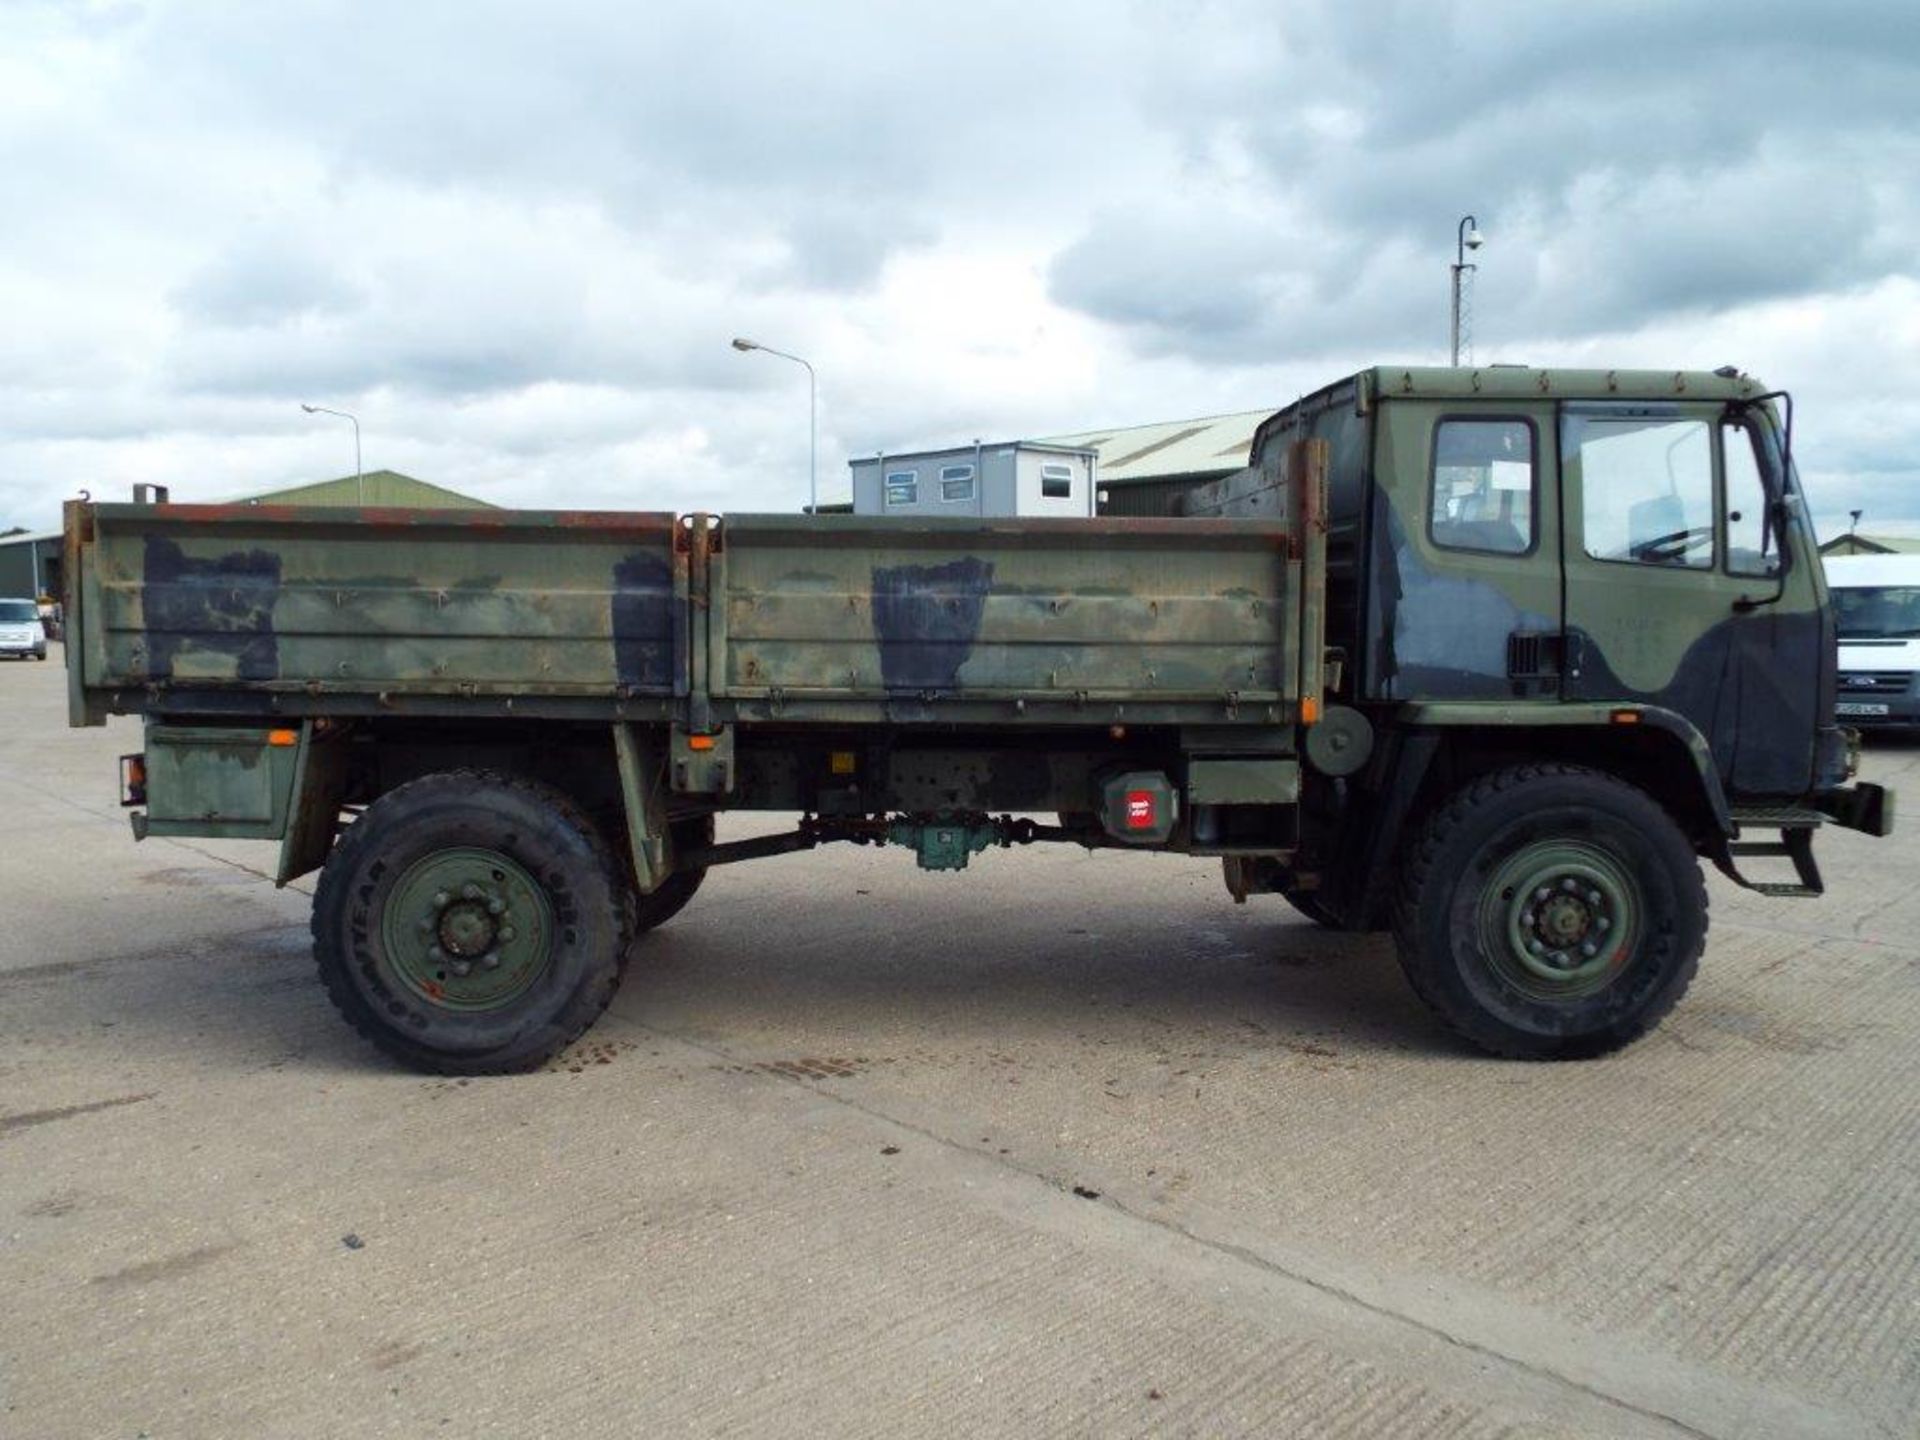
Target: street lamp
(1468,237)
(813,419)
(359,474)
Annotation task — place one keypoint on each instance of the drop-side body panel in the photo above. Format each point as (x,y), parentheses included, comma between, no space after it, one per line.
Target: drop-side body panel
(226,610)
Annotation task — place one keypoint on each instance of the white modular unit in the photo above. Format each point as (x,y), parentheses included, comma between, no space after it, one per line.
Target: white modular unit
(972,481)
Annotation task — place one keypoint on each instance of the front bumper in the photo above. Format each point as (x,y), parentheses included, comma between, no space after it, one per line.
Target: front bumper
(21,649)
(1865,807)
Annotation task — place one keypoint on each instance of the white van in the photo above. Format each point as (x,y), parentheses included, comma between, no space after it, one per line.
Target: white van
(1876,607)
(21,632)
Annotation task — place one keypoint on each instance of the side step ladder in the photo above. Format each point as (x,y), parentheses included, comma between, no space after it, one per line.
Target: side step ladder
(1796,827)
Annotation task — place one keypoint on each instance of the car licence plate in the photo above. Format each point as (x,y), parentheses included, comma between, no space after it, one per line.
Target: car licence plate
(1860,707)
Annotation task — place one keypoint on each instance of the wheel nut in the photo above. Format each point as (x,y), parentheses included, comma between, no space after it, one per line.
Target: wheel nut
(506,934)
(1602,923)
(1594,897)
(440,899)
(490,961)
(426,925)
(461,967)
(1570,885)
(496,906)
(436,954)
(1534,947)
(1589,949)
(469,891)
(1545,892)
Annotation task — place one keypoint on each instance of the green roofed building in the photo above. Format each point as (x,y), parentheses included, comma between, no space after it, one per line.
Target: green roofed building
(1150,469)
(381,487)
(1853,543)
(30,561)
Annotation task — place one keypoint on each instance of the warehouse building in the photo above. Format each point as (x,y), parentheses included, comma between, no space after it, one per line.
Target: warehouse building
(376,487)
(30,562)
(1854,543)
(29,565)
(1148,469)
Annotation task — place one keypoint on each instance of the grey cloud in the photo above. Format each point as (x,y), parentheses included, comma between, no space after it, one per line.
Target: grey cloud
(1630,160)
(268,279)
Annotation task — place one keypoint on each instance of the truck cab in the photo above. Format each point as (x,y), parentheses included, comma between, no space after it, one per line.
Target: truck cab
(1614,567)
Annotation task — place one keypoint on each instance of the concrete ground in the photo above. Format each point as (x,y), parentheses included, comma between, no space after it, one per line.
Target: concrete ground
(1068,1145)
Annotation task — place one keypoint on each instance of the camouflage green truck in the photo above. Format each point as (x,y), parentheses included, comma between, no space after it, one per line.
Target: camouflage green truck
(1490,658)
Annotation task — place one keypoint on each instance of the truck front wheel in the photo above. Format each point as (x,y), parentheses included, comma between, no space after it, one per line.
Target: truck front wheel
(471,923)
(1551,912)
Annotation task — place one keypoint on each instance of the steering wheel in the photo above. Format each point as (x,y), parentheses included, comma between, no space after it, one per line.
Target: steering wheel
(1671,547)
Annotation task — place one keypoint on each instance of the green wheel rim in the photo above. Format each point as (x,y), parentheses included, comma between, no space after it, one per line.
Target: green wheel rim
(1559,919)
(467,929)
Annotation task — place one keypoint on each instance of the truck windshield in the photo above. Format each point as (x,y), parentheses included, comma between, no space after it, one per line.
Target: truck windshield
(15,612)
(1877,612)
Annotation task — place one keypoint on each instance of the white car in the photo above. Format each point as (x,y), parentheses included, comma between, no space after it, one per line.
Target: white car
(21,633)
(1876,607)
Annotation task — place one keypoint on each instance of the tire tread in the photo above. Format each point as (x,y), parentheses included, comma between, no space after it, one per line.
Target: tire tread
(1441,826)
(330,939)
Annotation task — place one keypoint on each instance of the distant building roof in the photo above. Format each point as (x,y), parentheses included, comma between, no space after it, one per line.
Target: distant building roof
(1211,445)
(22,537)
(381,487)
(1853,543)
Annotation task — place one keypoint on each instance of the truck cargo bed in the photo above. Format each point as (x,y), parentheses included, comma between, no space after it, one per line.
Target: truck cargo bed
(234,609)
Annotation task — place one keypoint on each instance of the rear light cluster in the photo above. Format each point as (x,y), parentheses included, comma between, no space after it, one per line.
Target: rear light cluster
(1139,806)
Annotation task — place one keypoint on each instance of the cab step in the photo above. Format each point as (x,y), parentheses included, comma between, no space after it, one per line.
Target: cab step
(1796,827)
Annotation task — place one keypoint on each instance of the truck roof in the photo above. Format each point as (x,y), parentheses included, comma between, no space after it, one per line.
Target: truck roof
(1516,381)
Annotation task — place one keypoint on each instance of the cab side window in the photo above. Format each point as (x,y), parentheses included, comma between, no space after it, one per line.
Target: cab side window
(1646,488)
(1752,548)
(1483,486)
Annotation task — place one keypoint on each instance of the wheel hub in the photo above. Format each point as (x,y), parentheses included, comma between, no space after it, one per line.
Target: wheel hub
(1558,919)
(467,929)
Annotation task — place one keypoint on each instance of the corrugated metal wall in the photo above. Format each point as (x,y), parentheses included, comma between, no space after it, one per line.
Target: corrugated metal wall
(1147,497)
(17,578)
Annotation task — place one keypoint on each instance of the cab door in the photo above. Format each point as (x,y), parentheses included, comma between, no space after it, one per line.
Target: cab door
(1465,601)
(1676,590)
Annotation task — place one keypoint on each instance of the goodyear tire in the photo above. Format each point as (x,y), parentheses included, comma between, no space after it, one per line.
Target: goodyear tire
(1550,912)
(651,911)
(471,923)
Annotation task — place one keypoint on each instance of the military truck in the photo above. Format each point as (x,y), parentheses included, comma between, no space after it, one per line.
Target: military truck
(1491,658)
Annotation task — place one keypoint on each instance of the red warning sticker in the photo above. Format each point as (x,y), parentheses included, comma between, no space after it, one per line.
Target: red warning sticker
(1140,810)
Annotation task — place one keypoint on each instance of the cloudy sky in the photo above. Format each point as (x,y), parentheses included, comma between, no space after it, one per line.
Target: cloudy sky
(516,238)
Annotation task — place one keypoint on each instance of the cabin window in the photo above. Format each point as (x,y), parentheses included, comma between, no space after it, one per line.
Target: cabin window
(903,487)
(1483,487)
(956,483)
(1056,482)
(1646,488)
(1752,548)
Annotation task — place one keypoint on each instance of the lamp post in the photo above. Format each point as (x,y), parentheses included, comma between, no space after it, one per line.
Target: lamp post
(359,473)
(813,418)
(1467,237)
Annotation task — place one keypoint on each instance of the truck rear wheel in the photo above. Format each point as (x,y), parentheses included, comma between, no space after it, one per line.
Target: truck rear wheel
(1313,905)
(471,923)
(1551,912)
(677,889)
